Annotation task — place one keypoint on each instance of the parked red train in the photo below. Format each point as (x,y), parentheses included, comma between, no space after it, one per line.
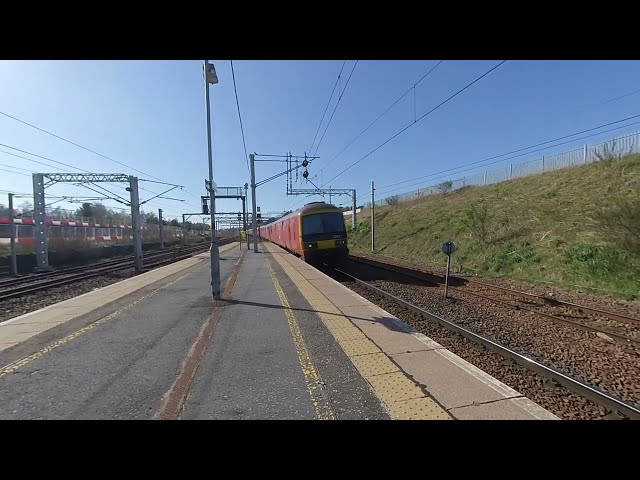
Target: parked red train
(315,232)
(75,230)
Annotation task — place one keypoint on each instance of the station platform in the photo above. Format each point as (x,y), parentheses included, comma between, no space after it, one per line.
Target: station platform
(285,342)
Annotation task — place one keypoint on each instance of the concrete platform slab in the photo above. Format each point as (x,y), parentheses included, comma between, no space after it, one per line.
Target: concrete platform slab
(392,342)
(343,299)
(509,409)
(425,364)
(419,408)
(290,343)
(443,379)
(18,329)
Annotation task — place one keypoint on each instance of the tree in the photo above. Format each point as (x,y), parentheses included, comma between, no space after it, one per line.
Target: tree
(174,223)
(392,200)
(100,212)
(445,186)
(151,218)
(86,210)
(57,213)
(25,207)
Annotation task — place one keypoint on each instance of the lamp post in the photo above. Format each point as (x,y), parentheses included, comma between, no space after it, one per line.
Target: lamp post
(211,77)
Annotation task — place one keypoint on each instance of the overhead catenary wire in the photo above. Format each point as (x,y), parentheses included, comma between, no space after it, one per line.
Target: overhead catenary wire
(418,120)
(244,144)
(336,107)
(412,88)
(77,145)
(63,164)
(43,157)
(474,165)
(525,148)
(17,173)
(17,168)
(29,159)
(327,107)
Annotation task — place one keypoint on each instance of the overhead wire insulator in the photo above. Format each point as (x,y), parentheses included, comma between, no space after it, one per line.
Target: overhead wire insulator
(305,174)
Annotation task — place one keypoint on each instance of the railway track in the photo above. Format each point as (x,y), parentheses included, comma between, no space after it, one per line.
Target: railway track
(618,327)
(583,389)
(34,283)
(9,282)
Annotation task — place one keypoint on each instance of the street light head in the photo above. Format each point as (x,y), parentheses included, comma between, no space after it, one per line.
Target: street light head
(210,73)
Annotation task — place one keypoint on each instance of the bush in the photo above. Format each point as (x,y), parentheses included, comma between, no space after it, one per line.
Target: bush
(608,154)
(446,186)
(620,224)
(392,200)
(513,255)
(477,220)
(598,261)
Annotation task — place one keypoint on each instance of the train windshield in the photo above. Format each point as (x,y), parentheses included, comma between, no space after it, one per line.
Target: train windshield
(323,223)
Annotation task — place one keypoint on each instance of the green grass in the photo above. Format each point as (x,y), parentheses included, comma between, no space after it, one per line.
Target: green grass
(545,229)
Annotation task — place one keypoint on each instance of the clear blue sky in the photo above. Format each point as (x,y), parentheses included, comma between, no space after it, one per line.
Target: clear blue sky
(150,115)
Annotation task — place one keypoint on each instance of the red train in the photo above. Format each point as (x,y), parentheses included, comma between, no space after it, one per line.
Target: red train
(315,233)
(77,230)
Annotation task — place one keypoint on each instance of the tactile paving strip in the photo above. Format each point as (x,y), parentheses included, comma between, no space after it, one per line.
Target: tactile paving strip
(363,346)
(420,408)
(395,387)
(374,364)
(403,398)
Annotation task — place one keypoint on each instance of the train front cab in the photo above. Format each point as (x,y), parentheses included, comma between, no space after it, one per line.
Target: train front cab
(323,236)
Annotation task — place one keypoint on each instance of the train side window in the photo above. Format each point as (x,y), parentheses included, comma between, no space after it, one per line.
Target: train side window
(25,231)
(5,231)
(80,232)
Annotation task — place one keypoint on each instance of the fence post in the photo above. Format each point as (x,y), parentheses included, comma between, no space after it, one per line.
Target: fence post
(510,170)
(584,157)
(485,177)
(543,163)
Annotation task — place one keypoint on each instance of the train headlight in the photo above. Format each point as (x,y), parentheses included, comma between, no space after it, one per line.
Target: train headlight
(311,245)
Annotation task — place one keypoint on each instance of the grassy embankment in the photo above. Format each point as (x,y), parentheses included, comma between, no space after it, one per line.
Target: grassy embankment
(576,228)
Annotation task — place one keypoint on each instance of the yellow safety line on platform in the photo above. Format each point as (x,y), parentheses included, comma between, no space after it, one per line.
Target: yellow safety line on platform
(320,403)
(12,367)
(403,398)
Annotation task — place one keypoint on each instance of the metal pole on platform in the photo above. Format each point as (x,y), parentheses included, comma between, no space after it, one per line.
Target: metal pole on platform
(184,231)
(40,227)
(253,202)
(353,217)
(211,77)
(244,205)
(161,229)
(135,223)
(13,265)
(373,214)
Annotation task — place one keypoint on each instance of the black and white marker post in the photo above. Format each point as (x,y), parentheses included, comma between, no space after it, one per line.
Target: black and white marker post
(447,248)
